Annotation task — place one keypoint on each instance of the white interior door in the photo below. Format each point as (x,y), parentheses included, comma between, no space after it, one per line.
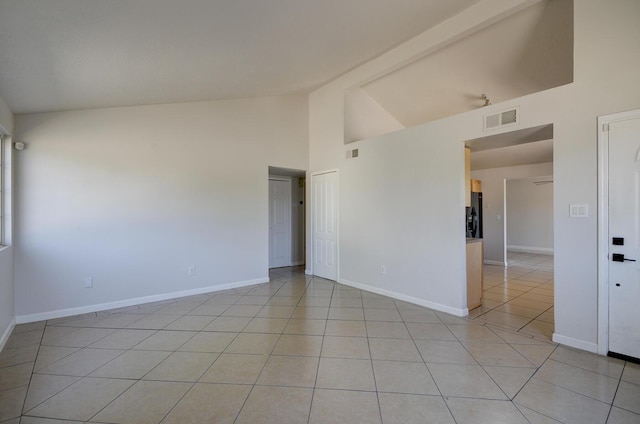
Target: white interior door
(624,225)
(279,223)
(325,225)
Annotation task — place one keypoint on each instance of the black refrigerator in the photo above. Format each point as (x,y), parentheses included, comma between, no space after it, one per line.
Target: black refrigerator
(474,216)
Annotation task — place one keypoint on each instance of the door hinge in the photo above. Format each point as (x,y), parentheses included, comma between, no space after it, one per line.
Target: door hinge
(605,127)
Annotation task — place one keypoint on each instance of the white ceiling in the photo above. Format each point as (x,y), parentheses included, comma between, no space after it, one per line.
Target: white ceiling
(73,54)
(527,52)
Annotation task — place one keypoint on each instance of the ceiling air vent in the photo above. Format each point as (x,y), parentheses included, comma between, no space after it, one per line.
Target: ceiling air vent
(501,119)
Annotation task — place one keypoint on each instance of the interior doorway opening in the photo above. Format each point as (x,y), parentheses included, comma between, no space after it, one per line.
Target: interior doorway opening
(516,174)
(286,215)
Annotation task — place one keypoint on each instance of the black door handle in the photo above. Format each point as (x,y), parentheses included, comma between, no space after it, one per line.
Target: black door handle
(619,257)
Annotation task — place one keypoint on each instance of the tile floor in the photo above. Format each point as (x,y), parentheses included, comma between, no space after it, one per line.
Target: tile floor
(302,350)
(519,297)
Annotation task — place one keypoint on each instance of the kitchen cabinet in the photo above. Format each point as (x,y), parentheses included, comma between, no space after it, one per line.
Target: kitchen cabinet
(474,272)
(476,186)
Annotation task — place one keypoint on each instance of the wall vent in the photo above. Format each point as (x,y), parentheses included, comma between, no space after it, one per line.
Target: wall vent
(501,119)
(352,153)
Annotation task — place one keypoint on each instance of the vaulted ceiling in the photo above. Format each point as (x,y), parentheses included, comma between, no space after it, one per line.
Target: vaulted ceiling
(74,54)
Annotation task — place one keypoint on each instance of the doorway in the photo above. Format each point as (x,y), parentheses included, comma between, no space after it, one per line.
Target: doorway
(286,214)
(619,235)
(324,189)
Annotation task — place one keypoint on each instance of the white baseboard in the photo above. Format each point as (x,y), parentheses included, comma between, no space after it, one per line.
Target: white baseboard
(297,263)
(578,344)
(308,272)
(61,313)
(488,262)
(530,249)
(459,312)
(7,333)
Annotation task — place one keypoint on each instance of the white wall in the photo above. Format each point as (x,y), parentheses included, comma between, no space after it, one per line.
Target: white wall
(133,196)
(7,312)
(493,203)
(529,216)
(606,65)
(365,118)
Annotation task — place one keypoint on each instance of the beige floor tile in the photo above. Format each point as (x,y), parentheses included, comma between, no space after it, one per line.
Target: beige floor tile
(190,322)
(115,321)
(474,333)
(341,406)
(379,302)
(229,324)
(536,354)
(404,377)
(444,352)
(346,302)
(253,300)
(579,380)
(295,371)
(386,329)
(182,366)
(133,364)
(165,340)
(18,355)
(413,409)
(266,325)
(346,374)
(482,411)
(620,416)
(561,404)
(315,301)
(382,315)
(465,381)
(50,354)
(547,316)
(144,402)
(11,402)
(253,343)
(81,337)
(235,368)
(209,342)
(298,345)
(15,376)
(589,361)
(343,291)
(535,417)
(242,311)
(419,315)
(81,363)
(52,333)
(394,350)
(310,312)
(429,331)
(510,379)
(356,314)
(541,328)
(122,339)
(522,311)
(311,327)
(42,387)
(345,347)
(276,405)
(497,355)
(209,310)
(514,337)
(179,308)
(504,319)
(276,312)
(631,373)
(283,301)
(223,299)
(209,403)
(153,322)
(32,326)
(628,397)
(82,400)
(346,328)
(24,339)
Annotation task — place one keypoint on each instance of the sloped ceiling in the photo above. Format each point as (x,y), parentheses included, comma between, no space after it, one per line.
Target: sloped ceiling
(75,54)
(527,52)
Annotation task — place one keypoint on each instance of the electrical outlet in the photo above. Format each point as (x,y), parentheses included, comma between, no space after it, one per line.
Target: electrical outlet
(383,270)
(191,270)
(88,282)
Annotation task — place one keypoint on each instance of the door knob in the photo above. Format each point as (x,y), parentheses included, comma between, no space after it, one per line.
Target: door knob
(619,257)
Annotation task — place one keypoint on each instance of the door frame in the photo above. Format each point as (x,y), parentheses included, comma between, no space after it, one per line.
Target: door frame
(603,223)
(312,213)
(287,180)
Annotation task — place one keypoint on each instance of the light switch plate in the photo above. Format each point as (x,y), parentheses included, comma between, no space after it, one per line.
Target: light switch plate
(579,211)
